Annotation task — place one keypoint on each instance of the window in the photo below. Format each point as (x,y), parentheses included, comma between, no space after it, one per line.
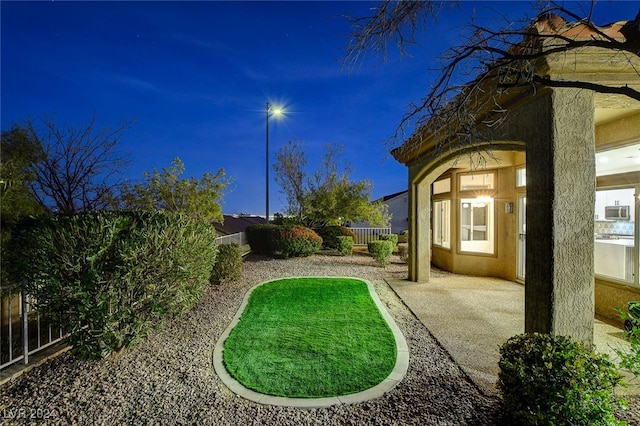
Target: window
(442,186)
(477,181)
(441,223)
(615,254)
(521,177)
(476,225)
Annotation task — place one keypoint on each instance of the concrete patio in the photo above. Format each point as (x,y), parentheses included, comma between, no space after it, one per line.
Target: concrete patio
(471,317)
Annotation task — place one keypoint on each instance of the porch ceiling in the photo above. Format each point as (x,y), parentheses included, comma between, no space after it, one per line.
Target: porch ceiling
(604,115)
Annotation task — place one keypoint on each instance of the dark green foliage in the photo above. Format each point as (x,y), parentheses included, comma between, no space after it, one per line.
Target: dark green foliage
(381,251)
(261,237)
(403,237)
(296,241)
(330,235)
(547,380)
(345,245)
(630,358)
(390,237)
(228,266)
(403,252)
(111,278)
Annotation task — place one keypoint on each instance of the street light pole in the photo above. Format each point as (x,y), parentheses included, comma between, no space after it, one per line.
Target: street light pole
(268,109)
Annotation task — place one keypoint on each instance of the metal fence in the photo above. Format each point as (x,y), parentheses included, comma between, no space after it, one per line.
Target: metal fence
(23,331)
(240,239)
(364,235)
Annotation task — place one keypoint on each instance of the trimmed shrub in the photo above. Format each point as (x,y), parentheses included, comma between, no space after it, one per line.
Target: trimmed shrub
(261,237)
(381,251)
(390,237)
(111,278)
(403,252)
(295,240)
(547,379)
(630,355)
(228,266)
(345,245)
(330,236)
(403,237)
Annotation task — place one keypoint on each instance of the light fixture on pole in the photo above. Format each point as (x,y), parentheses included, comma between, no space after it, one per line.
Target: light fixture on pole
(269,111)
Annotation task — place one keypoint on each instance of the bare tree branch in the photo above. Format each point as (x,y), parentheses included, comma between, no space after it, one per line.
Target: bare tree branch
(493,62)
(80,165)
(393,21)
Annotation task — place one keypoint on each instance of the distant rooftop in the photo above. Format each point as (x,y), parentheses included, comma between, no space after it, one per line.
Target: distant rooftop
(237,223)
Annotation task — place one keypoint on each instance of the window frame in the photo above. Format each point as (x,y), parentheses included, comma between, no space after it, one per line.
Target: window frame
(478,247)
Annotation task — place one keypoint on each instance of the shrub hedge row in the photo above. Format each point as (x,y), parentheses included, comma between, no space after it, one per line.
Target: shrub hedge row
(296,241)
(260,238)
(110,278)
(285,240)
(331,234)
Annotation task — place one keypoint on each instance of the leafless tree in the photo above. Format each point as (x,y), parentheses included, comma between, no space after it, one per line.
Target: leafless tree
(491,63)
(80,165)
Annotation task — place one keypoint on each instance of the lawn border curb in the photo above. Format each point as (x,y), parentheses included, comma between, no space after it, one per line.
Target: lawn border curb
(396,375)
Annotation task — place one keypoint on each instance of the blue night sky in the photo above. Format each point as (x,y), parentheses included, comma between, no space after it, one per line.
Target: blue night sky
(195,77)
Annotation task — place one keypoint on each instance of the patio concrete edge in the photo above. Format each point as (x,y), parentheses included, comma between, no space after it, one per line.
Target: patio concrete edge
(391,381)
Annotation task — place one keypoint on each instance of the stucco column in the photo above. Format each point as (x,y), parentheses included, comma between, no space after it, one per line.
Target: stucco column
(419,230)
(560,206)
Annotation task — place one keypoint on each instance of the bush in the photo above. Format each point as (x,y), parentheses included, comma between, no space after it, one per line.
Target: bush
(345,245)
(403,252)
(381,251)
(390,237)
(295,240)
(228,266)
(261,237)
(110,278)
(630,356)
(546,379)
(331,234)
(403,237)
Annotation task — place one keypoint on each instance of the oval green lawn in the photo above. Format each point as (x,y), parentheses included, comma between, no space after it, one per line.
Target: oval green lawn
(310,338)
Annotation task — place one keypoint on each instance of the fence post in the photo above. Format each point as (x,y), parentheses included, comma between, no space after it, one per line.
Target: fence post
(25,326)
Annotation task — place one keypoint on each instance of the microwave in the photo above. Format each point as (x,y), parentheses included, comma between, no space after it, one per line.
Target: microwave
(616,213)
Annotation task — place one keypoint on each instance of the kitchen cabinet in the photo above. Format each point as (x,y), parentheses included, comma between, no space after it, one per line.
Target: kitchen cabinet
(614,258)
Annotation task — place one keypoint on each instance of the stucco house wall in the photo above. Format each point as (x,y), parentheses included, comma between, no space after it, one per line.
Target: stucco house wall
(398,207)
(559,130)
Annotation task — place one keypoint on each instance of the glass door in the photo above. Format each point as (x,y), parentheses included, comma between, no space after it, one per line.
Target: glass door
(522,237)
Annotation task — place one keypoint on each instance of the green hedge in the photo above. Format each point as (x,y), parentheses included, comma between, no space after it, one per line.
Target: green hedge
(381,251)
(228,266)
(345,245)
(261,237)
(111,278)
(295,240)
(390,237)
(546,380)
(331,234)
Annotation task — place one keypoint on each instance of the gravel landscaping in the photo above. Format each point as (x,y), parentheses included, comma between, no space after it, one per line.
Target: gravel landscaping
(169,378)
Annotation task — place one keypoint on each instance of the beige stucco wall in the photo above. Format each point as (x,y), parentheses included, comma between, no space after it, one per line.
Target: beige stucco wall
(609,296)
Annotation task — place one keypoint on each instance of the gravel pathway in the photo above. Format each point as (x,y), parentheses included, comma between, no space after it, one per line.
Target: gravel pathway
(169,378)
